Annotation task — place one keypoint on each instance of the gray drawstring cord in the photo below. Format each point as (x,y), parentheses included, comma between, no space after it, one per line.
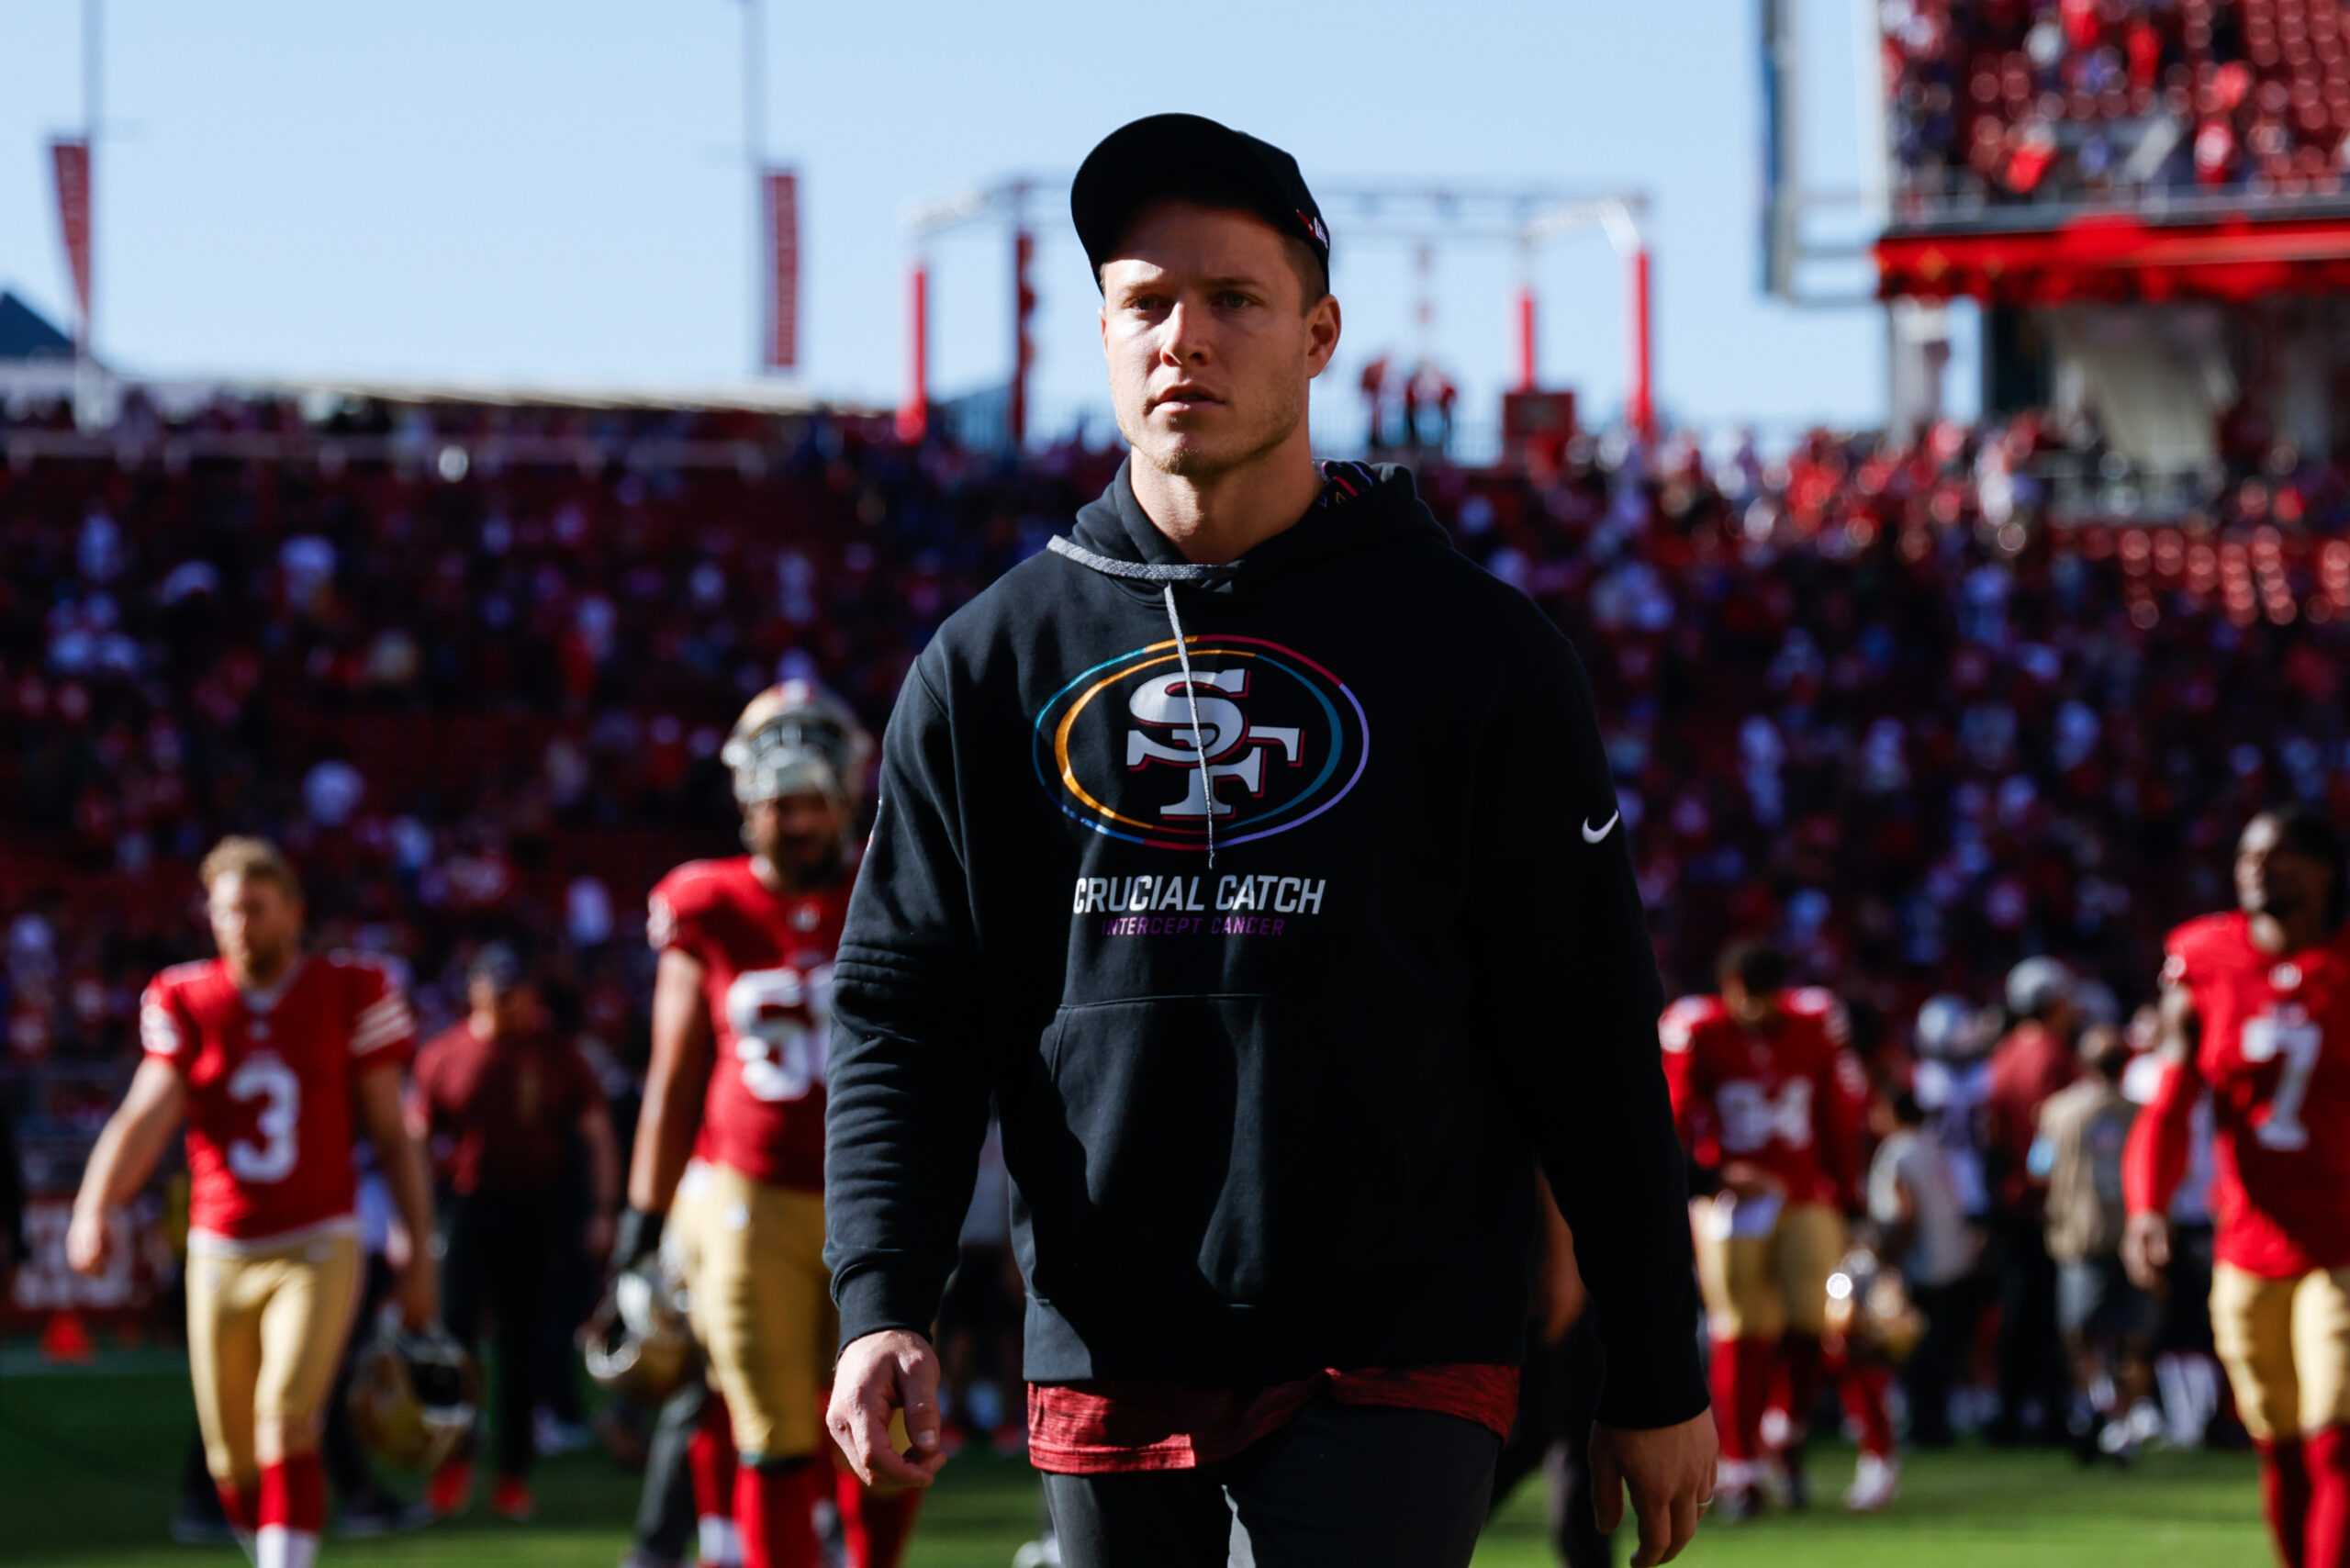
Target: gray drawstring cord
(1167,575)
(1199,735)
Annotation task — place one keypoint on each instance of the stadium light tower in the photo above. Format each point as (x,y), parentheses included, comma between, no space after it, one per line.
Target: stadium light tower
(1428,215)
(1005,202)
(1528,219)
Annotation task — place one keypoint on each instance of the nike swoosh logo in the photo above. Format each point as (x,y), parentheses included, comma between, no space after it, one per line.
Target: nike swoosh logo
(1594,835)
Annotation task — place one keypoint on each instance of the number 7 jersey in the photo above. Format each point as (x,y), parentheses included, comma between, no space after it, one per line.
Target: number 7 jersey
(272,1087)
(2274,1053)
(766,962)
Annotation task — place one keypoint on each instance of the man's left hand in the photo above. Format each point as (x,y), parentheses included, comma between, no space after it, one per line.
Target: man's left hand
(1670,1470)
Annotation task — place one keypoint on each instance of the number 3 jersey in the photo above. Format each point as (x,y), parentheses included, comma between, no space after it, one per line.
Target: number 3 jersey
(272,1087)
(2276,1055)
(1786,1098)
(766,961)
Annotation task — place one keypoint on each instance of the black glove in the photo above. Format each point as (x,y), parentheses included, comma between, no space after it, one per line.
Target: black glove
(636,1235)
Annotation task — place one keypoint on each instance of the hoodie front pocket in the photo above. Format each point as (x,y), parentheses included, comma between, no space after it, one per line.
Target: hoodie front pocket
(1199,1151)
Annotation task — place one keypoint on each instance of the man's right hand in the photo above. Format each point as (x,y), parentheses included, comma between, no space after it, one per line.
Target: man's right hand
(893,1369)
(2146,1251)
(86,1240)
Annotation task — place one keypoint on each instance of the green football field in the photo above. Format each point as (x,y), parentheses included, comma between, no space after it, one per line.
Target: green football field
(89,1462)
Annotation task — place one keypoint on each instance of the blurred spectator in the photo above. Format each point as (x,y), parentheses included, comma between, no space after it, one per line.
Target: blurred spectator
(2007,103)
(498,1096)
(2106,1321)
(1914,1205)
(2031,1065)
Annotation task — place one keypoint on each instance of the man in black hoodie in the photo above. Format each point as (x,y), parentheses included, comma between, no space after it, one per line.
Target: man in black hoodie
(1258,856)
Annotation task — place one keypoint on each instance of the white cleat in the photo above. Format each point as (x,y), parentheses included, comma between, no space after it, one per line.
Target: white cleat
(1876,1481)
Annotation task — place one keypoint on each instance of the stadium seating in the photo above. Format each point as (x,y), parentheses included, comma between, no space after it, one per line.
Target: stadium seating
(2005,104)
(1864,696)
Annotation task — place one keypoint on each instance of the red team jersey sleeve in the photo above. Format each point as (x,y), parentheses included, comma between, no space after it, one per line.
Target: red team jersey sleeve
(1684,1079)
(1841,1090)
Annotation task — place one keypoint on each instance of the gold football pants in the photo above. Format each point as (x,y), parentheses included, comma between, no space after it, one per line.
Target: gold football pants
(759,1296)
(265,1332)
(2286,1344)
(1759,1287)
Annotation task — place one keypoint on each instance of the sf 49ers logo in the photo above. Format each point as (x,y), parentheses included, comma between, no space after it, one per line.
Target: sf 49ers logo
(1258,737)
(1224,745)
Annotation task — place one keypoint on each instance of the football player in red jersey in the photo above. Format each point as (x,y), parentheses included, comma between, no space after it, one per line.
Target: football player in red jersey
(277,1059)
(1764,1090)
(2256,1009)
(730,1145)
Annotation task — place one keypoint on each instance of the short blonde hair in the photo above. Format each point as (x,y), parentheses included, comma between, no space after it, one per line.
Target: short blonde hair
(239,855)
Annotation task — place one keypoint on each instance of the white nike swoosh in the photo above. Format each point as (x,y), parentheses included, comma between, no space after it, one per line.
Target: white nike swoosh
(1594,835)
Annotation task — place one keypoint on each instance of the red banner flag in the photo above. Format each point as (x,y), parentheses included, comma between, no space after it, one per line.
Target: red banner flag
(71,158)
(780,342)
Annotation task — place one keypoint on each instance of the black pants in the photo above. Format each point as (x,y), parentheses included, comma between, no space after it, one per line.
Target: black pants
(1558,1400)
(1341,1487)
(2032,1368)
(501,1259)
(664,1512)
(1927,1378)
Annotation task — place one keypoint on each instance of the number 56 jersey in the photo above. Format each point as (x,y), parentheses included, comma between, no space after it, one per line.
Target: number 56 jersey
(271,1103)
(766,962)
(2276,1054)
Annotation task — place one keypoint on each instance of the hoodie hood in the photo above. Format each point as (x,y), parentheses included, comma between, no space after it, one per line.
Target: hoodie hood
(1360,505)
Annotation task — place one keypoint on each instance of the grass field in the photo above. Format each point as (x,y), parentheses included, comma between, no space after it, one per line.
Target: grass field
(89,1462)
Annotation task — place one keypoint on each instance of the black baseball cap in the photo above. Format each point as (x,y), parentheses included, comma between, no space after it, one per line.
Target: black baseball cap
(1188,157)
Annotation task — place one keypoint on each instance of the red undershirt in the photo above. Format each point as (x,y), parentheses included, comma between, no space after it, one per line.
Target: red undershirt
(1109,1428)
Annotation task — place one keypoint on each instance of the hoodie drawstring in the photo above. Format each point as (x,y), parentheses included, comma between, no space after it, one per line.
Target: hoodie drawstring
(1191,697)
(1165,574)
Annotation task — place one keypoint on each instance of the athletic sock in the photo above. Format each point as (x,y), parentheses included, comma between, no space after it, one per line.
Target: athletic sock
(1742,1379)
(1862,1390)
(293,1511)
(774,1514)
(241,1502)
(710,1461)
(875,1526)
(2326,1457)
(2284,1497)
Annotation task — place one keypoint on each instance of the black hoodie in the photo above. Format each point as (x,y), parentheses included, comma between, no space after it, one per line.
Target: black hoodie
(1274,1104)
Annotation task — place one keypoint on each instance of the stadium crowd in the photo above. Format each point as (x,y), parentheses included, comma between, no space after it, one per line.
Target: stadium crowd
(473,668)
(2064,100)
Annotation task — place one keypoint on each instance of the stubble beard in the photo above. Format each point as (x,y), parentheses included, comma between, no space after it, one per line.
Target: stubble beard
(1178,458)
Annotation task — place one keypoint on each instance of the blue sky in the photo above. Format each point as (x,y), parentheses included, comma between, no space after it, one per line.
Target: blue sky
(515,190)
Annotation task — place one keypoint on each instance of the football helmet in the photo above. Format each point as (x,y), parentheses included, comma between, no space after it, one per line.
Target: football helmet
(1951,1028)
(413,1396)
(798,738)
(638,1344)
(1869,1309)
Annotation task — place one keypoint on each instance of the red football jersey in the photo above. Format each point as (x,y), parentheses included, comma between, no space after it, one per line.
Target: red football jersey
(2276,1054)
(1781,1097)
(766,962)
(272,1077)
